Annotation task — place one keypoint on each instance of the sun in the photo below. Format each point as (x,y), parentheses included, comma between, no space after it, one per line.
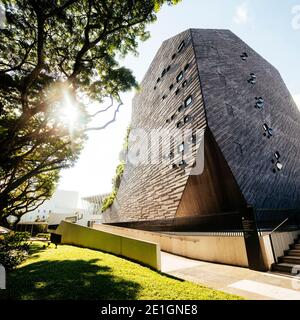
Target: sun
(69,113)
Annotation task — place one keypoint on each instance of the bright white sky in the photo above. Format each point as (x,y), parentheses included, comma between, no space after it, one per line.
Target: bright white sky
(272,28)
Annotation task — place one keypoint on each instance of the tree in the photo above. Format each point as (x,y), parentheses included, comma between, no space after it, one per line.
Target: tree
(56,56)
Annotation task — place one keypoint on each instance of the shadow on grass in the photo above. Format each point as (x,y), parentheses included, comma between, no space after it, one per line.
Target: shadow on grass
(37,247)
(69,279)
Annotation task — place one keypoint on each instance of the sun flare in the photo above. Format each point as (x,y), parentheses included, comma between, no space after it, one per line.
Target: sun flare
(69,113)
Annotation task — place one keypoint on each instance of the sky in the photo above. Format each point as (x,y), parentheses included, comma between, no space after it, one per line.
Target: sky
(272,28)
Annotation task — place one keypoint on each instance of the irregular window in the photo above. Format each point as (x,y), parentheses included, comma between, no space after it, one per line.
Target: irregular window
(260,103)
(187,119)
(181,46)
(179,124)
(188,101)
(252,79)
(182,164)
(179,77)
(268,131)
(244,56)
(279,166)
(180,109)
(277,155)
(181,147)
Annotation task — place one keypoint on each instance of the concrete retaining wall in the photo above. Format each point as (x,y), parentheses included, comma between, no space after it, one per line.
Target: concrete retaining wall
(220,249)
(142,251)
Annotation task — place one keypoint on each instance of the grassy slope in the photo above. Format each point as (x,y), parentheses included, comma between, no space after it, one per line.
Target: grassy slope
(76,273)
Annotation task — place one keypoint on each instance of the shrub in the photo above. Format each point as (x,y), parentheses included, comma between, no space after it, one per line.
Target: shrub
(116,181)
(43,235)
(13,249)
(108,201)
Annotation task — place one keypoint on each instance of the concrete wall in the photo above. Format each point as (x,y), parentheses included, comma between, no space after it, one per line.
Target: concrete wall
(141,251)
(213,248)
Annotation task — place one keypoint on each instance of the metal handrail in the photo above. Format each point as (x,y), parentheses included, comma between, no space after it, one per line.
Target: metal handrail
(281,224)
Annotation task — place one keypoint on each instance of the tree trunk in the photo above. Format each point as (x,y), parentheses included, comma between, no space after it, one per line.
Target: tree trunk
(4,223)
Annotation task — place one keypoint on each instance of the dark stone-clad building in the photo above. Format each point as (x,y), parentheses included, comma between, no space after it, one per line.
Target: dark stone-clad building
(210,81)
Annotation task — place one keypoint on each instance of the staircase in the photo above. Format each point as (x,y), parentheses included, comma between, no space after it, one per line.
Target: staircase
(290,262)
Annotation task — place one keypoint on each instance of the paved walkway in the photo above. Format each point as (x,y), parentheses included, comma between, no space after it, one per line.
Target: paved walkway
(249,284)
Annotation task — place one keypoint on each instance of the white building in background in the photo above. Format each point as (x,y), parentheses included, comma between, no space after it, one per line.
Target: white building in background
(91,210)
(63,204)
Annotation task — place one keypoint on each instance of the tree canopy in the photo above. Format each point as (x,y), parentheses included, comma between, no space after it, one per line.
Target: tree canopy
(56,56)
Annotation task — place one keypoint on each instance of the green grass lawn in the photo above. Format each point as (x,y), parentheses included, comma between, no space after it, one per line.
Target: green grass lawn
(76,273)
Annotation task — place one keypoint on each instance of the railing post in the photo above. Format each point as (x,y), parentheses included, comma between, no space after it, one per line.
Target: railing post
(252,243)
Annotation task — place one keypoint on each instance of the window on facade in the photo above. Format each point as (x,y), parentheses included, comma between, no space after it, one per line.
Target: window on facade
(168,121)
(244,56)
(252,79)
(181,147)
(268,131)
(163,72)
(193,139)
(171,155)
(171,86)
(187,119)
(186,67)
(188,101)
(180,108)
(279,166)
(158,79)
(184,83)
(177,91)
(182,164)
(168,68)
(260,103)
(181,46)
(179,77)
(174,166)
(179,124)
(173,56)
(266,127)
(164,97)
(277,155)
(155,88)
(173,116)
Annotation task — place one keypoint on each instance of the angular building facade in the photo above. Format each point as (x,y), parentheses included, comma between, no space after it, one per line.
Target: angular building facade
(231,127)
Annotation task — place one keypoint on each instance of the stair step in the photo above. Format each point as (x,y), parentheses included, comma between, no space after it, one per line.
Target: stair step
(285,267)
(290,259)
(293,252)
(295,246)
